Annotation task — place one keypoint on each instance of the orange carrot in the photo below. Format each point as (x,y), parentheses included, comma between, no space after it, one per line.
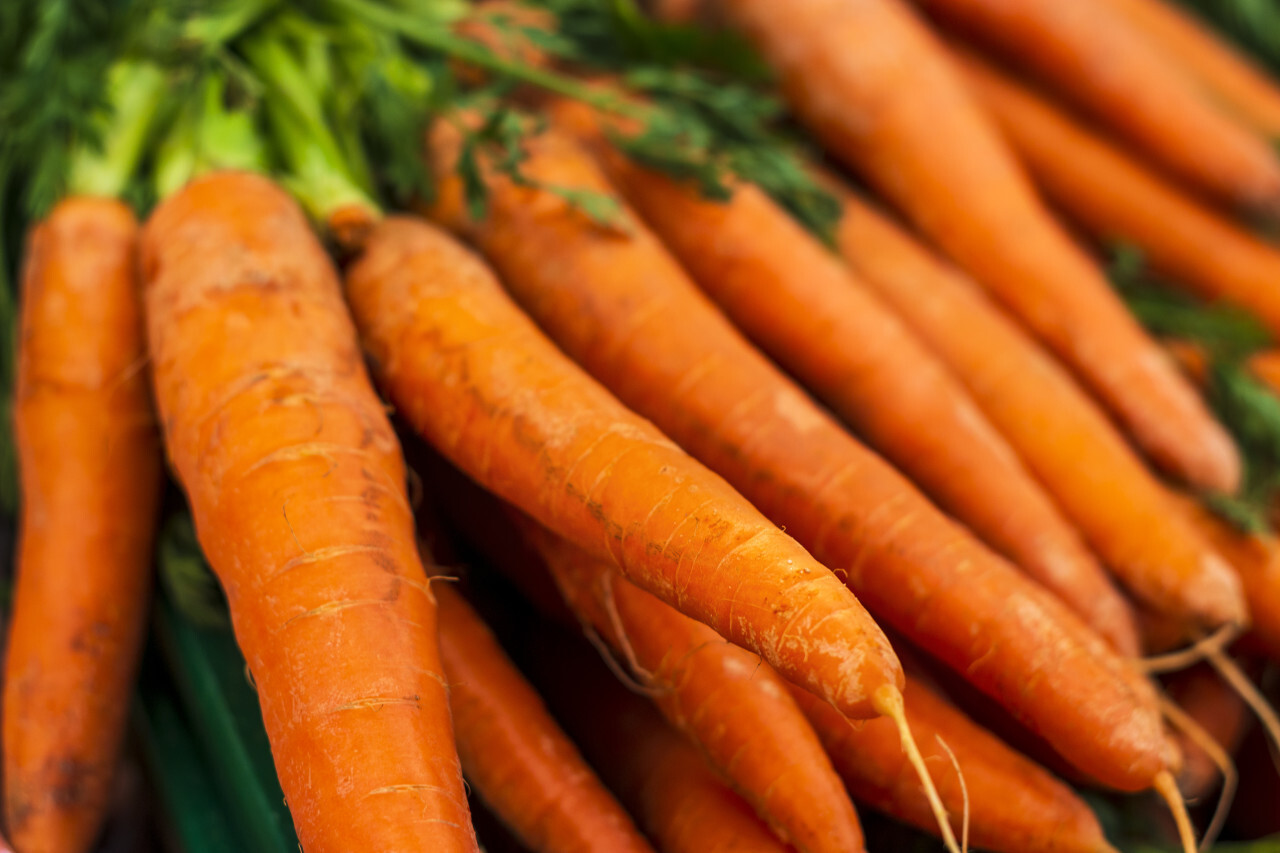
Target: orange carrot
(297,487)
(844,66)
(90,468)
(1014,804)
(516,757)
(1255,558)
(728,702)
(477,379)
(1094,55)
(1220,712)
(1122,510)
(618,303)
(1116,198)
(1225,74)
(810,312)
(657,774)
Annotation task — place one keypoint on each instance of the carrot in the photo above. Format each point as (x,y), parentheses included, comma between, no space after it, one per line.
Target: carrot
(1015,805)
(1093,55)
(519,761)
(1255,559)
(1220,712)
(1123,512)
(728,702)
(844,66)
(1116,198)
(812,314)
(658,775)
(618,303)
(296,483)
(89,459)
(1225,74)
(481,383)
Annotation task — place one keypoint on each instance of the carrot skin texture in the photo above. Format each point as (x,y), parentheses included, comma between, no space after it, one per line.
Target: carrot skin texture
(477,378)
(622,307)
(1014,804)
(297,487)
(514,754)
(676,798)
(1121,509)
(1096,57)
(728,702)
(810,312)
(844,65)
(1116,198)
(1225,74)
(89,459)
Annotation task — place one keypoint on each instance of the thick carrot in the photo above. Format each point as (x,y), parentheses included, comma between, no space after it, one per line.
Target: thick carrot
(1117,199)
(1225,74)
(513,753)
(844,66)
(89,459)
(297,487)
(676,798)
(475,376)
(1014,804)
(728,702)
(1095,56)
(619,304)
(1218,709)
(1122,510)
(809,311)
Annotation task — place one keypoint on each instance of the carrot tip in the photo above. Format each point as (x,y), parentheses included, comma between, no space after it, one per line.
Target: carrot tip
(887,701)
(1230,778)
(1232,674)
(1202,649)
(1168,789)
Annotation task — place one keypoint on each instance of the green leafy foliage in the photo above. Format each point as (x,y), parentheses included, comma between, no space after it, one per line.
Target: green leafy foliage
(1255,24)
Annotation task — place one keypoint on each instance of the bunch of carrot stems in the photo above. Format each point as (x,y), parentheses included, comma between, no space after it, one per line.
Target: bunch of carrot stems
(872,401)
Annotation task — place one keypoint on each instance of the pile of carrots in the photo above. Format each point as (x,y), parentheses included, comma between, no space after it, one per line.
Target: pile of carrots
(580,466)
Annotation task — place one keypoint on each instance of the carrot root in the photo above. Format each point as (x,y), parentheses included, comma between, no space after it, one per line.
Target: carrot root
(1167,788)
(1230,777)
(1233,675)
(964,793)
(887,700)
(1202,649)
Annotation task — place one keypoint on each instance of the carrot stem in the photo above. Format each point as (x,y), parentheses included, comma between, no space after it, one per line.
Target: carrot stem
(888,703)
(1196,733)
(207,136)
(135,91)
(1168,789)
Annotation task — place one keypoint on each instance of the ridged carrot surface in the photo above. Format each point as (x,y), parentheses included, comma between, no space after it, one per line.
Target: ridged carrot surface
(1118,199)
(297,486)
(728,702)
(812,314)
(89,461)
(1014,804)
(514,754)
(845,67)
(477,378)
(1122,510)
(619,304)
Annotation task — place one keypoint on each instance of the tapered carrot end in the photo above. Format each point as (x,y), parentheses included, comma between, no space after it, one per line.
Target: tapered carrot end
(1167,788)
(887,701)
(350,226)
(1230,779)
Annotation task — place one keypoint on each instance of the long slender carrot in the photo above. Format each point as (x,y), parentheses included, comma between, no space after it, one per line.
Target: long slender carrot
(1094,55)
(728,702)
(1225,74)
(476,377)
(90,468)
(513,753)
(296,483)
(658,775)
(810,312)
(1116,198)
(1014,804)
(844,66)
(1122,510)
(618,303)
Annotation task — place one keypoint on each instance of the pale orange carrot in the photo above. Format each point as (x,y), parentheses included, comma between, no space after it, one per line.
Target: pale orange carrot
(845,66)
